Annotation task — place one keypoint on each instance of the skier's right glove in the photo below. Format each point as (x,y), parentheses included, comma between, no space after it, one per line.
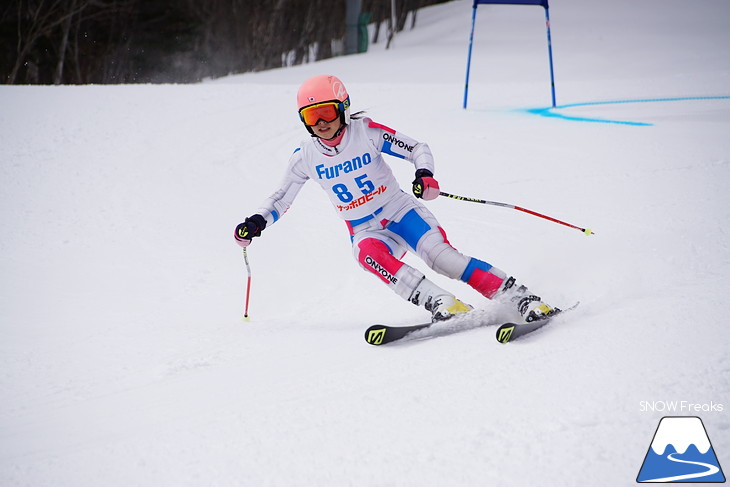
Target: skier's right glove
(425,186)
(249,229)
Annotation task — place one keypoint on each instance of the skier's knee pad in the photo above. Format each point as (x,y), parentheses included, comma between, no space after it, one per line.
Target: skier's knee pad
(375,256)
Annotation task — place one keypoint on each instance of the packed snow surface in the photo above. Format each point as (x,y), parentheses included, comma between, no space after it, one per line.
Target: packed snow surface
(124,360)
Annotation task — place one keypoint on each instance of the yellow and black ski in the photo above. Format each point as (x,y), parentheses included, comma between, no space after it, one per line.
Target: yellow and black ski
(511,331)
(382,334)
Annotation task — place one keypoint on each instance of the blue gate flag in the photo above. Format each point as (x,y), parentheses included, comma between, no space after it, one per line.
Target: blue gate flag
(542,3)
(515,2)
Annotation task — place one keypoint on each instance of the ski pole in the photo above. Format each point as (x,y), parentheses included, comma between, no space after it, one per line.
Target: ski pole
(248,285)
(586,231)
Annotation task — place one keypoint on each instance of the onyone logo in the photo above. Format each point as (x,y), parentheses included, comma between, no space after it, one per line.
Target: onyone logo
(397,142)
(378,269)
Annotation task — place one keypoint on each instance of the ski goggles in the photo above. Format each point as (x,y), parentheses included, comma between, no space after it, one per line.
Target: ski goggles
(328,111)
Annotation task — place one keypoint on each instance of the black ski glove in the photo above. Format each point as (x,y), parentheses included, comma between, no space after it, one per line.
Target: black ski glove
(249,229)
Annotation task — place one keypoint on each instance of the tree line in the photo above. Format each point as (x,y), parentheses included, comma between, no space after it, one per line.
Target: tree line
(153,41)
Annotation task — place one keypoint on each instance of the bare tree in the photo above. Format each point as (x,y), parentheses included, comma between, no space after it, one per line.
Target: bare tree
(35,19)
(66,29)
(102,41)
(53,25)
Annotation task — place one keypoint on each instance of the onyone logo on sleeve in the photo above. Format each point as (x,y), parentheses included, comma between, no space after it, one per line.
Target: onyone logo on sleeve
(397,142)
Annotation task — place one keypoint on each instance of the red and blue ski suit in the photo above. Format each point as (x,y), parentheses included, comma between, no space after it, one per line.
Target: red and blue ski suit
(384,221)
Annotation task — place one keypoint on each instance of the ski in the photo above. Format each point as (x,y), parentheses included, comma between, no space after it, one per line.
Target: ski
(510,331)
(382,334)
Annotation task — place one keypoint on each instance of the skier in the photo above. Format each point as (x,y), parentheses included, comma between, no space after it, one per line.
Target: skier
(344,155)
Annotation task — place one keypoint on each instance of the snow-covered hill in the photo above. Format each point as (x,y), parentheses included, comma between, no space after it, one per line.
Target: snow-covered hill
(123,356)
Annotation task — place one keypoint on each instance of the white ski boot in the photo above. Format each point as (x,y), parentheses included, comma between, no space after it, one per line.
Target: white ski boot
(442,304)
(530,306)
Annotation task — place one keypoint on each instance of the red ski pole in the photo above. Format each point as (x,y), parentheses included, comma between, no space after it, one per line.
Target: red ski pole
(248,285)
(586,231)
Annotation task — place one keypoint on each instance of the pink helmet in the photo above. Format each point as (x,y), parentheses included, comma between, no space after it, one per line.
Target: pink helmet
(324,88)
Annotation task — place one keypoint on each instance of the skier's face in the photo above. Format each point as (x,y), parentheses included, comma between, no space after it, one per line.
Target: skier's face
(327,130)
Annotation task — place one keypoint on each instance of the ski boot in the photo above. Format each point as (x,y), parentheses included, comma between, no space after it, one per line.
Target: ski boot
(440,303)
(529,306)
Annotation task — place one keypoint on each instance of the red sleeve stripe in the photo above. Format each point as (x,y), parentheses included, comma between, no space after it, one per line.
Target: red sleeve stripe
(376,125)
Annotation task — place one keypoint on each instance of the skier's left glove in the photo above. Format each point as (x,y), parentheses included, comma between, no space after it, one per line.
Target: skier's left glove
(425,186)
(249,229)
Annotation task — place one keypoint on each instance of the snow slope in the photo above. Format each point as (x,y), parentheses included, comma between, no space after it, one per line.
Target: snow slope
(124,360)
